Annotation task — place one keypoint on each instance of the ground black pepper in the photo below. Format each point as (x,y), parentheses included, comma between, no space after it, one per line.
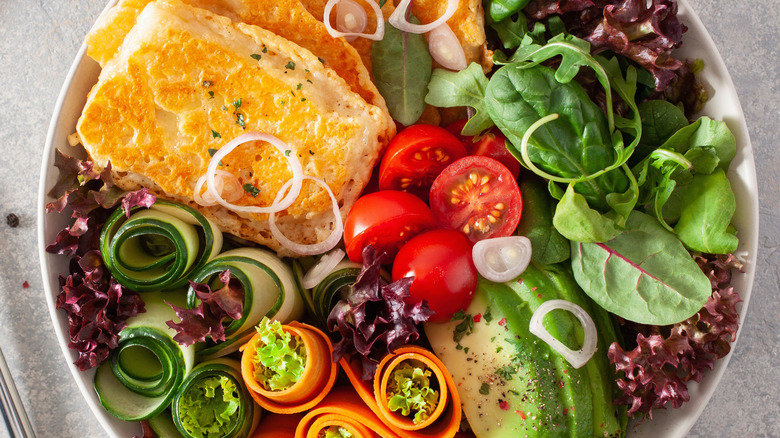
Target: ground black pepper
(12,220)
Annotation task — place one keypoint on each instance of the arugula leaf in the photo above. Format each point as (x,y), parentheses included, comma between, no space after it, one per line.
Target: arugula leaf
(463,88)
(708,205)
(643,275)
(402,69)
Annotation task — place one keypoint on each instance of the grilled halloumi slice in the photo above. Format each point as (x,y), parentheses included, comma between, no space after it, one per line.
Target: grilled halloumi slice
(185,81)
(286,18)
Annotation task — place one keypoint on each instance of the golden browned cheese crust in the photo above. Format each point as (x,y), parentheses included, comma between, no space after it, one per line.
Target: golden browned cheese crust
(286,18)
(180,84)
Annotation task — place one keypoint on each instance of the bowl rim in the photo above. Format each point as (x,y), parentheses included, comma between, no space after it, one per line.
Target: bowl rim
(742,170)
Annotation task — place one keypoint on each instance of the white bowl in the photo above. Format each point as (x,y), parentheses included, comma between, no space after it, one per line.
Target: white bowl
(723,105)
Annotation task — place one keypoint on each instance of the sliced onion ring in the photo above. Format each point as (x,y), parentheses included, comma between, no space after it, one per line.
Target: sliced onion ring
(399,21)
(349,10)
(446,49)
(502,259)
(576,358)
(279,204)
(222,177)
(309,249)
(322,268)
(378,34)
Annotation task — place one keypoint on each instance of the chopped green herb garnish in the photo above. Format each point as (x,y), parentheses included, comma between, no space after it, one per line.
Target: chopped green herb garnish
(499,348)
(310,152)
(224,108)
(290,65)
(252,190)
(214,134)
(487,315)
(300,85)
(237,104)
(207,83)
(256,56)
(287,153)
(306,70)
(240,121)
(265,49)
(212,151)
(465,327)
(466,350)
(506,372)
(211,94)
(321,60)
(484,389)
(382,3)
(283,102)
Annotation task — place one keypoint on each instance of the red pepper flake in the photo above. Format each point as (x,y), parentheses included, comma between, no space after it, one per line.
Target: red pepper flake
(502,322)
(478,317)
(565,371)
(25,285)
(539,296)
(520,280)
(533,289)
(560,384)
(521,414)
(504,405)
(565,412)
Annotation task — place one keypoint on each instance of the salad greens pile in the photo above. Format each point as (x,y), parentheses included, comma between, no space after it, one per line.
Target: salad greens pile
(620,183)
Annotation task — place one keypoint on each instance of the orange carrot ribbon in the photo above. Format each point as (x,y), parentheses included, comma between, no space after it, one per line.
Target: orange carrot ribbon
(318,377)
(445,421)
(343,408)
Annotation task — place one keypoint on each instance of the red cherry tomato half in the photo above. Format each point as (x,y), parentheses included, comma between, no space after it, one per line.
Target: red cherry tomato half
(491,143)
(444,275)
(477,196)
(416,156)
(385,219)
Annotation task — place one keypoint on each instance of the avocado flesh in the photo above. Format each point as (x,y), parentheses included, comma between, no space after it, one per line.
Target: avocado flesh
(513,384)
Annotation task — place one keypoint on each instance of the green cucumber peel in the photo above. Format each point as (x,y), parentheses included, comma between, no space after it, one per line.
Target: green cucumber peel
(213,401)
(410,391)
(158,248)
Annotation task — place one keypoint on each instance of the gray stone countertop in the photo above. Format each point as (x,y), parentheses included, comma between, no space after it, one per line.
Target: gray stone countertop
(38,41)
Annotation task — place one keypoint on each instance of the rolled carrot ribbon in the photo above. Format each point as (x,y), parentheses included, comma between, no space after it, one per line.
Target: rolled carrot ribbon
(344,409)
(444,422)
(319,373)
(278,426)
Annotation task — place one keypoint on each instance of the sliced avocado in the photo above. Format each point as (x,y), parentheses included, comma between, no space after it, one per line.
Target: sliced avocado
(511,382)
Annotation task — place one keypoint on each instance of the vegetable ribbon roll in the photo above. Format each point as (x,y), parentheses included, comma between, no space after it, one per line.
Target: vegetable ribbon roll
(343,413)
(214,402)
(158,248)
(147,367)
(412,393)
(269,289)
(288,368)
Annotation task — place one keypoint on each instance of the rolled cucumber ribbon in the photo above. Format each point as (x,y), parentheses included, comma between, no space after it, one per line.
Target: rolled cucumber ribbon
(269,289)
(158,248)
(147,367)
(321,298)
(213,401)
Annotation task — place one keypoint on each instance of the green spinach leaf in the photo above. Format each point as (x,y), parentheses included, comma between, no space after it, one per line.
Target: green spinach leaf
(402,69)
(501,9)
(660,120)
(644,274)
(572,147)
(463,88)
(549,246)
(707,207)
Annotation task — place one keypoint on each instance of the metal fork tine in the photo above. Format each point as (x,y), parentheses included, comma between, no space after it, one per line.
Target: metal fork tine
(11,404)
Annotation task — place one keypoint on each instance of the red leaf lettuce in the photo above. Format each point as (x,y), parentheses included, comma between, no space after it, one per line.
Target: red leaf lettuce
(206,320)
(373,318)
(97,306)
(655,371)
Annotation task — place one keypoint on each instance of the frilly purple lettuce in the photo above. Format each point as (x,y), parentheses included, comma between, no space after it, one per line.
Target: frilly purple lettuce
(373,318)
(654,373)
(97,306)
(206,320)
